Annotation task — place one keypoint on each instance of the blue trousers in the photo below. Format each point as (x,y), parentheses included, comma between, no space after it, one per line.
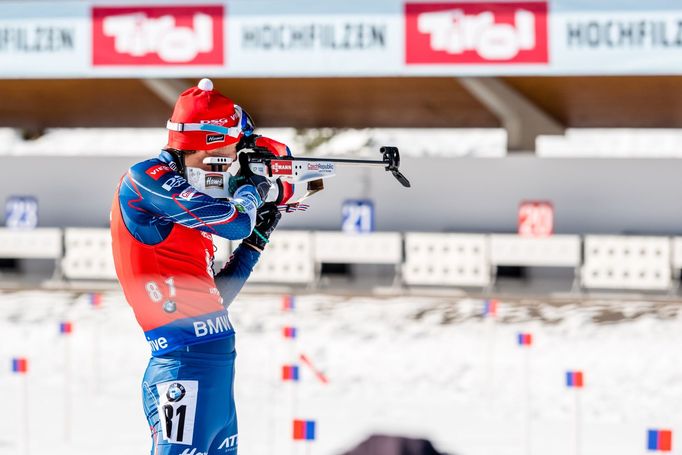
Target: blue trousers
(188,398)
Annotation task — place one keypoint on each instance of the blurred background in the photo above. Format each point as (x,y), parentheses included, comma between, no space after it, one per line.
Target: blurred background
(521,298)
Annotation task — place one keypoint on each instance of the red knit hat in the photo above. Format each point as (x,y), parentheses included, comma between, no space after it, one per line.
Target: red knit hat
(204,119)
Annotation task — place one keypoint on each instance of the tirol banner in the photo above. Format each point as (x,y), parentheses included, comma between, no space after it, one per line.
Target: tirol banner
(270,38)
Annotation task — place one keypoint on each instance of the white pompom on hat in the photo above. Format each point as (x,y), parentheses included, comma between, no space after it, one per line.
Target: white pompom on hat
(205,84)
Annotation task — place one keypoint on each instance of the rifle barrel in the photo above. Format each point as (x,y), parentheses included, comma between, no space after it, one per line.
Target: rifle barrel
(349,162)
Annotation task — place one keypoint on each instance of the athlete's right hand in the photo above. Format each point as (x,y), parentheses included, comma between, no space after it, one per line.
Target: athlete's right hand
(249,192)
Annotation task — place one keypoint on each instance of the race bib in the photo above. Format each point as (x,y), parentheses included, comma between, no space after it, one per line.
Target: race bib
(177,408)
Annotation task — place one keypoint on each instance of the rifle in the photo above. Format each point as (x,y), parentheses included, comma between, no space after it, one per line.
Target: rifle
(314,170)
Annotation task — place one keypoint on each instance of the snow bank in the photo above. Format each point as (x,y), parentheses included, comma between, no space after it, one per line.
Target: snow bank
(423,367)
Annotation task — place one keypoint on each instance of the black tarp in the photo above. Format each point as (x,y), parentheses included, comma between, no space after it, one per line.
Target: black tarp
(393,445)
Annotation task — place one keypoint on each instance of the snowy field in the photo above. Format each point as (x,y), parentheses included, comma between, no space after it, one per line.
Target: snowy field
(423,367)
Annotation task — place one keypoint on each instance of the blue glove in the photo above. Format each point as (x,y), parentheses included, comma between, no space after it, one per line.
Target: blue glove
(248,192)
(246,177)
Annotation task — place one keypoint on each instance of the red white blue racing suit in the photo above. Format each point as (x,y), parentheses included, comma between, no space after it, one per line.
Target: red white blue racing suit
(162,232)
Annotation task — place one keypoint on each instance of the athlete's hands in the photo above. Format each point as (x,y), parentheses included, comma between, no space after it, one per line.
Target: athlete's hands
(267,218)
(262,184)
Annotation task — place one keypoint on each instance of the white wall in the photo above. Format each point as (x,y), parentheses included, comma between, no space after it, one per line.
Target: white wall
(466,194)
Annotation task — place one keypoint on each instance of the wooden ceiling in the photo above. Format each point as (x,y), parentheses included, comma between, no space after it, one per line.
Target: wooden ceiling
(348,102)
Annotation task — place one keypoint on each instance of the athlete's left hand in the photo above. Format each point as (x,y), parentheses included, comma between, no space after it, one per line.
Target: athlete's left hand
(267,218)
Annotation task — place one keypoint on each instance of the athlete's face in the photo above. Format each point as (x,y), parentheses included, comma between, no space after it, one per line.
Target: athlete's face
(197,159)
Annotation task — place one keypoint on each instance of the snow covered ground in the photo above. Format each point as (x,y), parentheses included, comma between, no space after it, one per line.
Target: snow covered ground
(426,367)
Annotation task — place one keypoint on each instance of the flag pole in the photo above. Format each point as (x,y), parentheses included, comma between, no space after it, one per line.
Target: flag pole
(27,436)
(20,367)
(577,421)
(96,302)
(528,404)
(525,341)
(67,389)
(273,401)
(490,315)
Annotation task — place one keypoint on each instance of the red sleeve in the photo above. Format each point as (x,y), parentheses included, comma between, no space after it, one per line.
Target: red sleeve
(278,149)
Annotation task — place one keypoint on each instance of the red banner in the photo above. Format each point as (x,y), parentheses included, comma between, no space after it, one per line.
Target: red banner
(157,35)
(476,33)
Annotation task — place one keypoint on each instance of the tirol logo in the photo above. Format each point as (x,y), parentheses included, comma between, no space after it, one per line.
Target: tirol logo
(214,181)
(476,33)
(211,138)
(157,35)
(281,167)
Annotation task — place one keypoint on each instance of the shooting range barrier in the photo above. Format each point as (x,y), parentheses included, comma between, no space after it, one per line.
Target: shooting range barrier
(515,250)
(626,262)
(446,259)
(421,259)
(368,248)
(288,259)
(676,259)
(88,254)
(41,243)
(38,243)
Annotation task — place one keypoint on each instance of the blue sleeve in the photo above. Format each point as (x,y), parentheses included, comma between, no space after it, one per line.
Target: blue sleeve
(153,197)
(232,277)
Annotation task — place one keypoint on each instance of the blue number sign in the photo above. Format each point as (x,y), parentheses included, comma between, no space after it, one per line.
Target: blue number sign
(357,216)
(21,212)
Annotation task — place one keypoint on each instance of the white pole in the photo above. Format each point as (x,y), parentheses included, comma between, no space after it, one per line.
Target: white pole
(67,388)
(294,406)
(27,436)
(577,421)
(527,399)
(273,383)
(96,364)
(489,382)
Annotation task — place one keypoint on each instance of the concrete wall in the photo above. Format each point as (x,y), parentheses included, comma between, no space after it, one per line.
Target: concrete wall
(465,194)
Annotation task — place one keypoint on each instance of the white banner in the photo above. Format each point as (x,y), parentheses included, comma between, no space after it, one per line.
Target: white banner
(643,41)
(43,39)
(324,40)
(249,38)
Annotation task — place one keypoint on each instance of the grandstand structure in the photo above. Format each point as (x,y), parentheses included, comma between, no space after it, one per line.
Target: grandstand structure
(513,103)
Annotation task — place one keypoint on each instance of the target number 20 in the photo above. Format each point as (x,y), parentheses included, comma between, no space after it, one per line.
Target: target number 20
(536,219)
